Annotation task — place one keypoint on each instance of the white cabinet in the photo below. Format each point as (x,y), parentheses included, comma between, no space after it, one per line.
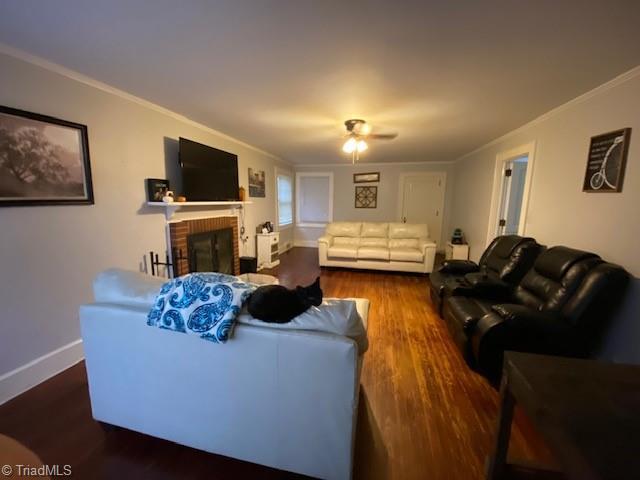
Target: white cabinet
(268,250)
(456,252)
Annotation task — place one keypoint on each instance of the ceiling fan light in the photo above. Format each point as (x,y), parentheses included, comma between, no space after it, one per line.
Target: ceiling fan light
(350,145)
(365,129)
(361,146)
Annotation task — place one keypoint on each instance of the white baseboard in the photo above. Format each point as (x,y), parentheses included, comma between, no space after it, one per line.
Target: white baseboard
(305,243)
(27,376)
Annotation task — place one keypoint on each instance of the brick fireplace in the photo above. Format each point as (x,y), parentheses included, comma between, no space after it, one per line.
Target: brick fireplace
(183,233)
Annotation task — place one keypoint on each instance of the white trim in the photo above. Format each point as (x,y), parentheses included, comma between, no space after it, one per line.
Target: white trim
(299,175)
(620,79)
(30,374)
(92,82)
(372,164)
(305,243)
(529,150)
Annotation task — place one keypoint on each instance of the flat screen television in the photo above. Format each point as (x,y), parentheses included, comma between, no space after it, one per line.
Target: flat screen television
(208,174)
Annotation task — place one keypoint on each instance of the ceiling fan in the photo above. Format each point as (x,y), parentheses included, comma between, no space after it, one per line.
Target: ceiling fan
(357,132)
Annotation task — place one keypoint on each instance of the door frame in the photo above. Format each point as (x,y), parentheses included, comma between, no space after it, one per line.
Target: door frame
(528,149)
(442,175)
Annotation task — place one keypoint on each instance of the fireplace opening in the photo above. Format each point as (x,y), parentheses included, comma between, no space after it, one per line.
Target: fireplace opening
(211,251)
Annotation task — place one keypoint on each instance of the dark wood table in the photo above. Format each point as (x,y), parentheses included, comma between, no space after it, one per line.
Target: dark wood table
(587,411)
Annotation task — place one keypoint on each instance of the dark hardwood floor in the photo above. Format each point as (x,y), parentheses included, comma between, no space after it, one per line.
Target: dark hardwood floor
(423,413)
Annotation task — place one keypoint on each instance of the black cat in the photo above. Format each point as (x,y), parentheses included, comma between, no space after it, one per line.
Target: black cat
(278,304)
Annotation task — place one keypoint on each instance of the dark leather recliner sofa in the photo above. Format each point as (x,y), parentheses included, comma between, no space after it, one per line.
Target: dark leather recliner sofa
(502,265)
(560,307)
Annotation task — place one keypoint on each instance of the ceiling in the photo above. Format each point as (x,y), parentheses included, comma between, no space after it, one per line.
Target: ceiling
(283,75)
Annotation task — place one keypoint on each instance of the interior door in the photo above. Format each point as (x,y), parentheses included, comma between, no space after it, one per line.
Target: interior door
(423,201)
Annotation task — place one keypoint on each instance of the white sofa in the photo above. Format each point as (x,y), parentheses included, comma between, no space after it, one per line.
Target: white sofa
(401,247)
(283,398)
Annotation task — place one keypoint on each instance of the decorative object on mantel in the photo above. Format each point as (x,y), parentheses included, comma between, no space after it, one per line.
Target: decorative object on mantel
(157,189)
(168,197)
(242,194)
(43,160)
(366,197)
(606,161)
(369,177)
(256,183)
(181,198)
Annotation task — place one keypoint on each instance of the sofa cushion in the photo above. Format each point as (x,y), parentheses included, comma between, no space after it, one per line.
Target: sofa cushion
(125,287)
(344,229)
(374,242)
(403,243)
(406,254)
(351,241)
(373,253)
(374,230)
(343,251)
(408,230)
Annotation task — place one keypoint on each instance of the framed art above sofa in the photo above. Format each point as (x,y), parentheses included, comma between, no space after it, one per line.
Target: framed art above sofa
(43,160)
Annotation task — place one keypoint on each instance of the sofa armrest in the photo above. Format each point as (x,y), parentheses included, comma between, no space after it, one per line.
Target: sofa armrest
(459,267)
(326,239)
(519,328)
(425,243)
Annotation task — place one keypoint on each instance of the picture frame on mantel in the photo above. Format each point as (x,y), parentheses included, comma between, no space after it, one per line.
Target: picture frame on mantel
(606,162)
(43,160)
(367,177)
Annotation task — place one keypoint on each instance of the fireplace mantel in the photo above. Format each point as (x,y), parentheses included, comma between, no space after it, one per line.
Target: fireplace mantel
(173,207)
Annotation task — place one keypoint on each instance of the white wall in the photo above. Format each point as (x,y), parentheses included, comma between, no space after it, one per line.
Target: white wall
(559,212)
(388,195)
(49,255)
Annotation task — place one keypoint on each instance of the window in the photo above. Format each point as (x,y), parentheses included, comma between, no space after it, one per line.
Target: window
(314,191)
(285,200)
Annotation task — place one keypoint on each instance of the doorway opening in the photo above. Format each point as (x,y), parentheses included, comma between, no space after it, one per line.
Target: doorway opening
(512,183)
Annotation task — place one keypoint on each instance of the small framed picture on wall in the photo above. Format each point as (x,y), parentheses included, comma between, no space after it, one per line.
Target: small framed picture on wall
(606,161)
(366,197)
(369,177)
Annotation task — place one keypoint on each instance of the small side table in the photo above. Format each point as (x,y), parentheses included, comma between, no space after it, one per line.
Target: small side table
(456,251)
(587,412)
(268,250)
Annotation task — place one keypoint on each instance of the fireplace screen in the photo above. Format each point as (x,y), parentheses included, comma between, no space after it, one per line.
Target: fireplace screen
(211,251)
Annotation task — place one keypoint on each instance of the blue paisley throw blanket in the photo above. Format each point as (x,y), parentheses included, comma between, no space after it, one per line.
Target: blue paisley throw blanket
(203,304)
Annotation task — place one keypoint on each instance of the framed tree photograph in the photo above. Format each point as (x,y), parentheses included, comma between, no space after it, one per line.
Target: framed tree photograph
(606,162)
(43,160)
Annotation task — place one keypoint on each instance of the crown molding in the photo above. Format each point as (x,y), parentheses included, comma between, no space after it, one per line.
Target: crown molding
(614,82)
(92,82)
(370,164)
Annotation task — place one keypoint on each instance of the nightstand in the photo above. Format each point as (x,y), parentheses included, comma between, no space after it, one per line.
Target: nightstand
(456,252)
(268,250)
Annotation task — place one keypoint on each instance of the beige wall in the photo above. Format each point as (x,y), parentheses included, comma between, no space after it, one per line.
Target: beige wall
(388,194)
(559,212)
(49,255)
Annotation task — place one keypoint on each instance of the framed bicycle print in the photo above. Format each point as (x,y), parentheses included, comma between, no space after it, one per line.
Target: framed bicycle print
(606,162)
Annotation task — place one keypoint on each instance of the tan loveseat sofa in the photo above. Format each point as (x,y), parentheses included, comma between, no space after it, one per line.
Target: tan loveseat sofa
(400,247)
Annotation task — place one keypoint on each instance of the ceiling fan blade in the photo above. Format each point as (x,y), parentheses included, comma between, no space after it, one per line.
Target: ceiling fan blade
(383,136)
